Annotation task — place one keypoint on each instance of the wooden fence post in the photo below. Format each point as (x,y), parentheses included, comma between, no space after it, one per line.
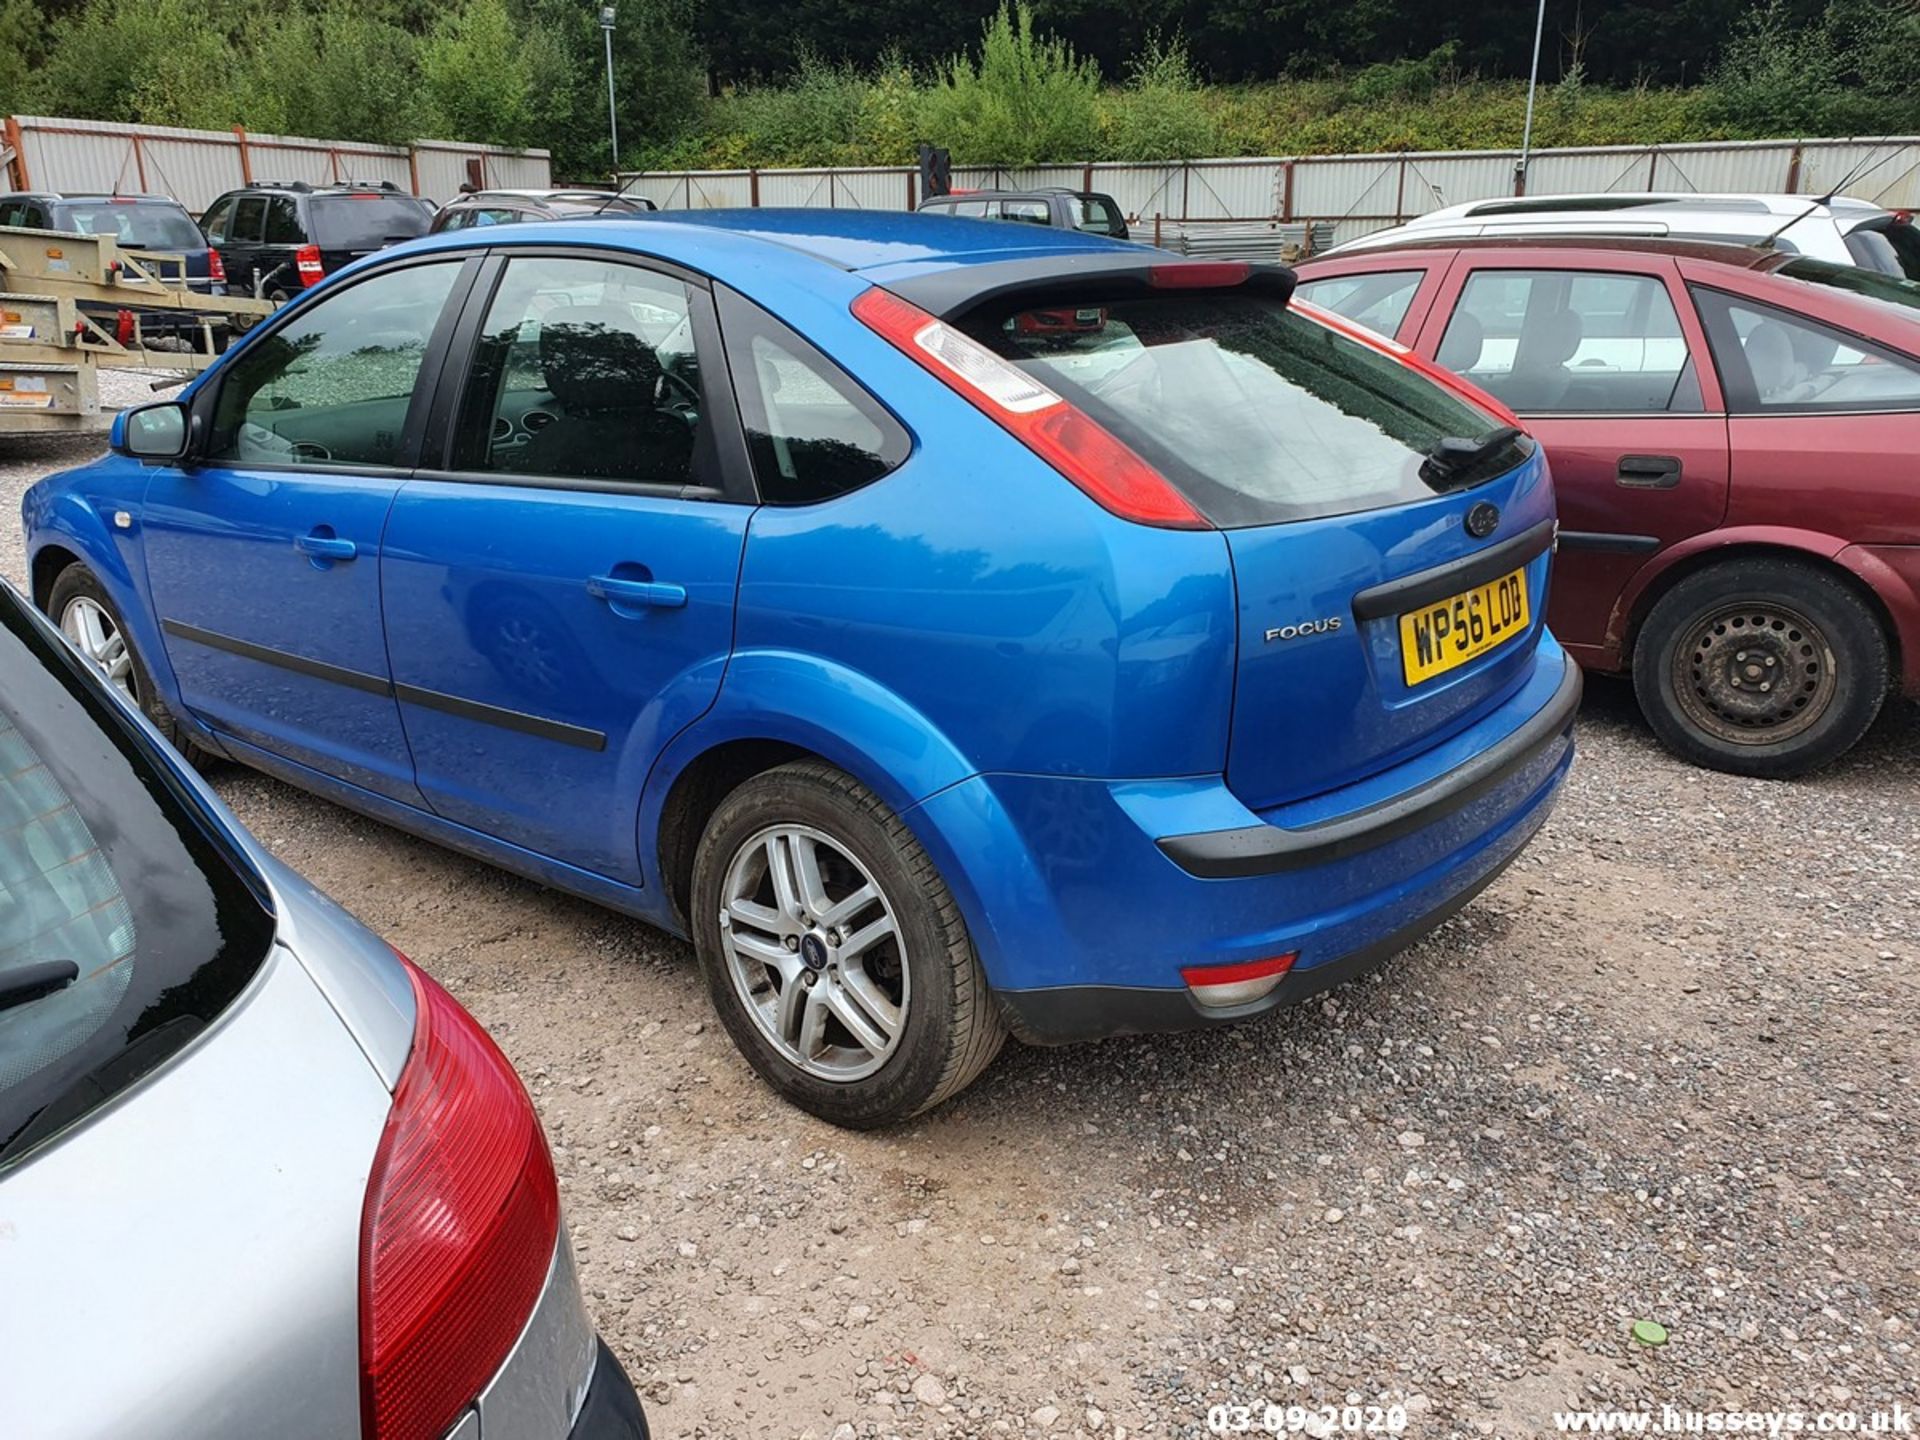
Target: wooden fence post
(18,164)
(246,157)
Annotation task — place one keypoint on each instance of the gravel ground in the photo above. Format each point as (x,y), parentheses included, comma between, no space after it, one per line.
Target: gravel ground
(1664,1069)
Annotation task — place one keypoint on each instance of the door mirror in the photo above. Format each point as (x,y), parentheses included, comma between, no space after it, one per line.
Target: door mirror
(155,432)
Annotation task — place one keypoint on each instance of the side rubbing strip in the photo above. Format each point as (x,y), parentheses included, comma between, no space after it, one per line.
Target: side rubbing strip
(517,720)
(285,660)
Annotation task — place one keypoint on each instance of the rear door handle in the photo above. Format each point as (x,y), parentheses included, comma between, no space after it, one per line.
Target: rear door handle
(325,547)
(617,592)
(1648,472)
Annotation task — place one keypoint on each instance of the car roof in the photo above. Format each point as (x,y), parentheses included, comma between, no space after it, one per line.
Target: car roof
(884,240)
(103,197)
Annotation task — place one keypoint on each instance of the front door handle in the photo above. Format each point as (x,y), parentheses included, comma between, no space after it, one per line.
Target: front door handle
(323,544)
(618,593)
(1648,472)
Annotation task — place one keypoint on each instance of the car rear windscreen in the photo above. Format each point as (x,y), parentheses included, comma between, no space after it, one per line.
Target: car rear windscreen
(127,924)
(1256,412)
(365,221)
(1890,246)
(141,226)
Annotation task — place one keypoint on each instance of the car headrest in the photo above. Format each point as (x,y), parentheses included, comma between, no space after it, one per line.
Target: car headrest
(1466,337)
(593,359)
(1769,350)
(1554,339)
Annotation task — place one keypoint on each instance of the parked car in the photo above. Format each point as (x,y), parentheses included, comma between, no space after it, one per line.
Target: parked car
(237,1125)
(1731,441)
(937,673)
(1060,208)
(509,207)
(154,223)
(1840,230)
(279,237)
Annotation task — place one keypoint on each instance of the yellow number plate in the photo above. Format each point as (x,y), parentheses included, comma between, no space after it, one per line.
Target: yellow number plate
(1441,637)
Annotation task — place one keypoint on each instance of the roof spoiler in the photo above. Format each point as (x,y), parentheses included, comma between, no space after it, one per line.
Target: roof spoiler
(1088,277)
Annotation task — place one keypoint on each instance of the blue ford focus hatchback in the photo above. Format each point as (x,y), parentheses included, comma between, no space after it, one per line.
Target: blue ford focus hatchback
(955,629)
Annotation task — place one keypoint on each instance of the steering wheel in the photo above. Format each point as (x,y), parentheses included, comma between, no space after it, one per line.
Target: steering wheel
(680,394)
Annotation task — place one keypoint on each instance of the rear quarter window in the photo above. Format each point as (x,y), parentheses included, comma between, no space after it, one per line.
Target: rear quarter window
(111,870)
(1258,413)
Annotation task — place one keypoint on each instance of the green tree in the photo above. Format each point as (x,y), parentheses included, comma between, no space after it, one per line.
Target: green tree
(22,35)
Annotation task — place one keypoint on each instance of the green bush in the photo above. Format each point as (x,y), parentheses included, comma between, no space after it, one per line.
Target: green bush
(1026,99)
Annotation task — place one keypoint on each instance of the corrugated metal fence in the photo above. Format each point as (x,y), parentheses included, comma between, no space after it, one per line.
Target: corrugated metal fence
(1352,193)
(197,166)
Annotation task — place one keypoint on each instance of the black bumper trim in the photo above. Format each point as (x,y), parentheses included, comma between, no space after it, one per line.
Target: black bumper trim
(1070,1014)
(1270,849)
(1410,592)
(611,1410)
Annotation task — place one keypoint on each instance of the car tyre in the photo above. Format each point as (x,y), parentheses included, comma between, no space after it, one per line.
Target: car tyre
(765,963)
(78,597)
(1761,667)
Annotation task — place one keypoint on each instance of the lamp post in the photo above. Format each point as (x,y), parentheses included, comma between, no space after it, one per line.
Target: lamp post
(613,124)
(1533,83)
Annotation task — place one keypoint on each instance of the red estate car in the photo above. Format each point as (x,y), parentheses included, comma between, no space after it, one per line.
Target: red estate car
(1734,449)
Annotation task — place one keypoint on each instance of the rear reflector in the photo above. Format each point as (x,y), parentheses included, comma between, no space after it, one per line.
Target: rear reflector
(1237,984)
(1065,437)
(458,1233)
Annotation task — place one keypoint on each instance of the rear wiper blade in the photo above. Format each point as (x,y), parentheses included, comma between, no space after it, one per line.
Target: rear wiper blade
(1452,455)
(34,982)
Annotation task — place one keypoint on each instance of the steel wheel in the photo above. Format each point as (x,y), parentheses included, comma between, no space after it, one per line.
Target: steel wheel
(814,952)
(94,633)
(1754,673)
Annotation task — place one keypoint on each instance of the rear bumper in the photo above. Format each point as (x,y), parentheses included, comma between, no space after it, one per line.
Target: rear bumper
(611,1410)
(1266,849)
(1084,915)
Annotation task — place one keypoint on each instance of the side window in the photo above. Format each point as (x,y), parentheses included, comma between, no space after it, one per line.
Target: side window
(813,432)
(215,221)
(1377,300)
(283,222)
(1775,361)
(971,209)
(586,370)
(1033,212)
(456,220)
(334,384)
(1567,341)
(248,214)
(14,213)
(1097,215)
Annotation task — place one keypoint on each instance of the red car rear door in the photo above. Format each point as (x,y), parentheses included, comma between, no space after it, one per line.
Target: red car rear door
(1603,358)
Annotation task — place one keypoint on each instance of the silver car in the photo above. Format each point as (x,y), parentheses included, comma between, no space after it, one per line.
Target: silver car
(259,1175)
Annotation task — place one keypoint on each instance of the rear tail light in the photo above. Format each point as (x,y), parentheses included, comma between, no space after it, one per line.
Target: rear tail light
(1220,986)
(458,1233)
(1199,275)
(1065,437)
(216,267)
(307,261)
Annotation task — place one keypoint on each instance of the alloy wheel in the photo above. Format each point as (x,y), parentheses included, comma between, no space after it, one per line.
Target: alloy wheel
(93,632)
(814,951)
